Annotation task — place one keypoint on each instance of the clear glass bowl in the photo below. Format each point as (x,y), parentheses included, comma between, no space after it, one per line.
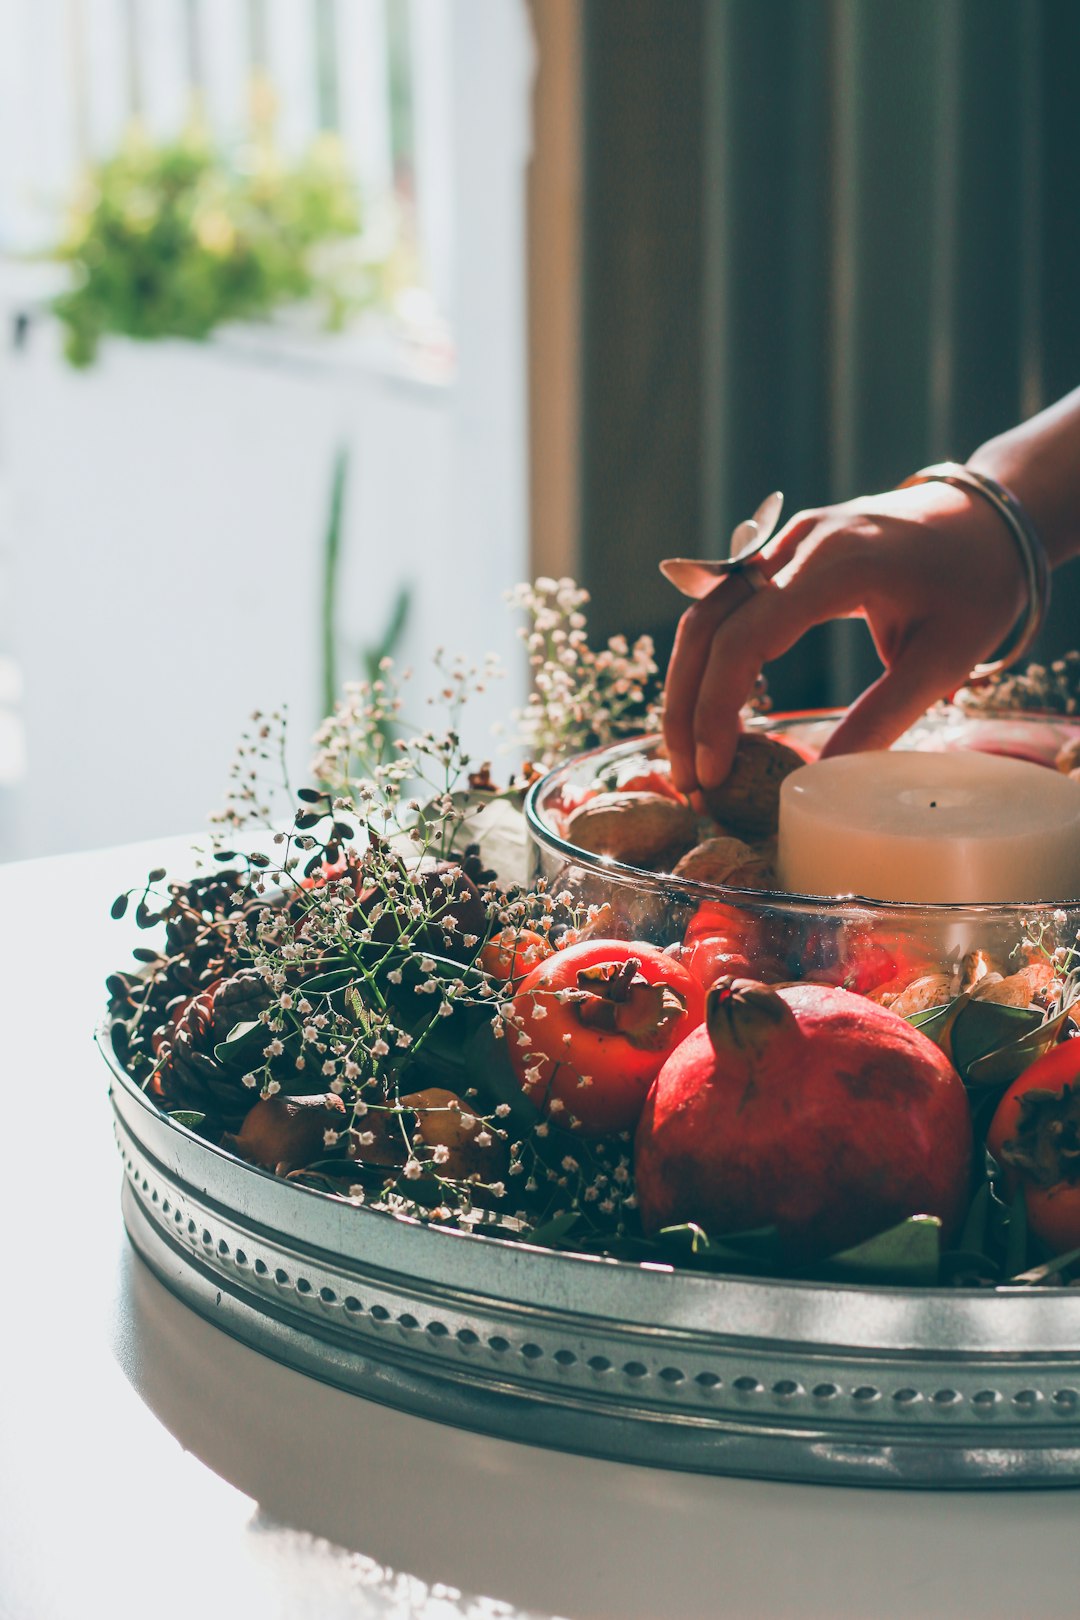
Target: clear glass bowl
(865,944)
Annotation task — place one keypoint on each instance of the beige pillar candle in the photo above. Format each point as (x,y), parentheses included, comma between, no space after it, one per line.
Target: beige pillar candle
(955,828)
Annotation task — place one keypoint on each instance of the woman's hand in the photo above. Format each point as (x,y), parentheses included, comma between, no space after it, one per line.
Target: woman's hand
(932,569)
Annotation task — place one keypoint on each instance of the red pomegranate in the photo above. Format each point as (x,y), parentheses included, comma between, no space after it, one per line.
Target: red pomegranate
(807,1108)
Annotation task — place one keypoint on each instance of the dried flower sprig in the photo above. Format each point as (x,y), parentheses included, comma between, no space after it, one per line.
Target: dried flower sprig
(1053,689)
(324,1004)
(581,697)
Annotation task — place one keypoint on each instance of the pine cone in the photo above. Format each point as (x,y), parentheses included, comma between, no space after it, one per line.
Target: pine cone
(191,1076)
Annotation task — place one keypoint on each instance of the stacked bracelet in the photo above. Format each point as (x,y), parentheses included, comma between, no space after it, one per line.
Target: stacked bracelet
(1030,547)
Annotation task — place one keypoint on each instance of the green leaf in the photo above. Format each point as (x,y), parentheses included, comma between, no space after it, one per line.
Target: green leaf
(755,1249)
(329,981)
(187,1116)
(973,1234)
(330,570)
(341,1168)
(928,1018)
(986,1030)
(973,1032)
(487,1061)
(1004,1064)
(937,1023)
(551,1233)
(968,1268)
(907,1254)
(393,630)
(1016,1235)
(243,1046)
(1051,1268)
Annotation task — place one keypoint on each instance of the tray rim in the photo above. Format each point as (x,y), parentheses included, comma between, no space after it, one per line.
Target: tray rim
(484,1261)
(639,1364)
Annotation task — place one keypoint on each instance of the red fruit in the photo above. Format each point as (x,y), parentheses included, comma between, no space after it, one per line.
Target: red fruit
(283,1133)
(559,806)
(600,1017)
(1035,1138)
(711,958)
(806,1108)
(513,952)
(655,781)
(723,942)
(715,920)
(873,961)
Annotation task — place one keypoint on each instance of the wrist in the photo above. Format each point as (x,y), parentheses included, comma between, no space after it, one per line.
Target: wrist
(1028,550)
(1040,462)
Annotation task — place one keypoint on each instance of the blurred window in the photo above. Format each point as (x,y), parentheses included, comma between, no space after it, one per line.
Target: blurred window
(80,77)
(169,560)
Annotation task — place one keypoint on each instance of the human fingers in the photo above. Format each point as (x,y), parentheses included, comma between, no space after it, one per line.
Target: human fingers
(924,671)
(766,627)
(693,641)
(690,655)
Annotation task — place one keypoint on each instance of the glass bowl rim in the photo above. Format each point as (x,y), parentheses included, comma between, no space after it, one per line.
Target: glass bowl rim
(544,836)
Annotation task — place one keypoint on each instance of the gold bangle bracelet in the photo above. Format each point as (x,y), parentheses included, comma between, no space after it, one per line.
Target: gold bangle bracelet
(1032,554)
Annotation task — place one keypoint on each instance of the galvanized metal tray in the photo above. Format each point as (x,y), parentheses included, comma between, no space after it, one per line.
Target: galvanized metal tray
(727,1375)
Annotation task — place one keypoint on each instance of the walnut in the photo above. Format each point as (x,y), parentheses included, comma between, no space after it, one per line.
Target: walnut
(976,967)
(725,860)
(640,829)
(929,990)
(748,800)
(1019,989)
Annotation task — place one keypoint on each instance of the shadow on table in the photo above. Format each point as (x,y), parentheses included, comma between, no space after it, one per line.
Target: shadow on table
(570,1535)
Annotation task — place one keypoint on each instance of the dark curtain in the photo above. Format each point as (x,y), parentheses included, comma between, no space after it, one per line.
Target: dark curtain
(825,242)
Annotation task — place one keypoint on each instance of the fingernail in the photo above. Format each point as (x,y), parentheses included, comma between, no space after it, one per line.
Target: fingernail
(709,768)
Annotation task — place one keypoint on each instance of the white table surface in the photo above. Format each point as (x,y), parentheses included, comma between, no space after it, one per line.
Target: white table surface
(152,1467)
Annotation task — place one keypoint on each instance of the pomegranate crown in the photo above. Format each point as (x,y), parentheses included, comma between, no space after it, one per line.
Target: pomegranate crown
(743,1015)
